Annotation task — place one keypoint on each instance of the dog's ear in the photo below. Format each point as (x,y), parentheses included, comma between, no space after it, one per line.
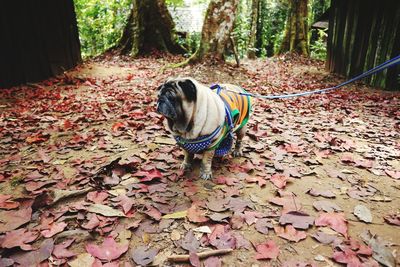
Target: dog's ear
(188,89)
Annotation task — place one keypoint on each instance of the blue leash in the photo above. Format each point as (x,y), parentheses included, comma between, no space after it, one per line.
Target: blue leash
(390,63)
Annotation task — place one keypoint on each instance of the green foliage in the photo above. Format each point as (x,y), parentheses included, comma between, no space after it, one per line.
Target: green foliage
(174,3)
(270,27)
(100,23)
(241,31)
(318,48)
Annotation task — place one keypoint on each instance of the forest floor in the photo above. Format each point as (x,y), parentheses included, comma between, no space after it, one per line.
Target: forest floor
(89,176)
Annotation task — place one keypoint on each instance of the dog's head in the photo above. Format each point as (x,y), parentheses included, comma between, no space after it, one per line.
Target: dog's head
(176,97)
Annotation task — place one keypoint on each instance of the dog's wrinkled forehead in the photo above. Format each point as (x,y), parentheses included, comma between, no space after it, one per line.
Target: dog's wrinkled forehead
(180,87)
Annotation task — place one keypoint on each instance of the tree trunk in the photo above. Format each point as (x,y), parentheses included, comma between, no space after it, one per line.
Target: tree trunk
(251,49)
(295,39)
(217,27)
(149,27)
(37,40)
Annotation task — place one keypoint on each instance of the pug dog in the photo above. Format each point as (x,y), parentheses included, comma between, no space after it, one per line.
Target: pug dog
(203,120)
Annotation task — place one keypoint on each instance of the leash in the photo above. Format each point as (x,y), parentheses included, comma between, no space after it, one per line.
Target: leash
(390,63)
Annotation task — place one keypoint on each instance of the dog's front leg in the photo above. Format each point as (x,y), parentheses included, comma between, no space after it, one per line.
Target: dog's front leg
(238,147)
(206,162)
(187,161)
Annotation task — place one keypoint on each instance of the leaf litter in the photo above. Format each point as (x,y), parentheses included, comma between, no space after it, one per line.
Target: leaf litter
(91,156)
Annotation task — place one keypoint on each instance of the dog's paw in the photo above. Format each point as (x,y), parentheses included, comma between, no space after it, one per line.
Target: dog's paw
(237,153)
(185,166)
(205,175)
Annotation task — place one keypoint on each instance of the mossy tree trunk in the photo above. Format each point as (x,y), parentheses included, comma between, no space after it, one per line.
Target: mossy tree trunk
(149,27)
(251,49)
(295,38)
(217,27)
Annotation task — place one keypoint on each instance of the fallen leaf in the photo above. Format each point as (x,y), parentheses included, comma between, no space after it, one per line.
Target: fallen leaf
(266,251)
(125,202)
(212,262)
(363,213)
(381,252)
(298,219)
(92,223)
(347,256)
(189,242)
(6,203)
(60,250)
(322,193)
(105,210)
(262,225)
(290,233)
(393,218)
(196,215)
(84,259)
(324,238)
(279,180)
(143,255)
(18,238)
(109,250)
(194,259)
(33,258)
(326,206)
(336,221)
(176,215)
(97,197)
(55,228)
(12,219)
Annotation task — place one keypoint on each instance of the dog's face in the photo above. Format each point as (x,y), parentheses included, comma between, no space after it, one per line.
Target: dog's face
(175,97)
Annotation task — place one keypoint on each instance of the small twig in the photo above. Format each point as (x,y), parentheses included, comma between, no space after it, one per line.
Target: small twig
(201,255)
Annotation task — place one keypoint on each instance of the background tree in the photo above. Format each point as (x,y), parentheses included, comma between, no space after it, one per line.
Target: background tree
(255,7)
(217,27)
(149,26)
(296,30)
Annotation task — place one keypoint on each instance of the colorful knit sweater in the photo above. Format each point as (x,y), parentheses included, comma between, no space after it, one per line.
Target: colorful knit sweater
(237,112)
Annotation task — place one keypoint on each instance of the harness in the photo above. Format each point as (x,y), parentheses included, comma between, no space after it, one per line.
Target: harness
(221,139)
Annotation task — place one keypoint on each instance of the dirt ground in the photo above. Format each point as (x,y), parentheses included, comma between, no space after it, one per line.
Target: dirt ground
(93,137)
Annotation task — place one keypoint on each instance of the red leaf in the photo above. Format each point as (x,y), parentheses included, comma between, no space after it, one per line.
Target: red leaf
(117,126)
(125,202)
(336,221)
(6,203)
(149,176)
(92,223)
(347,158)
(226,180)
(33,258)
(266,251)
(60,251)
(256,179)
(11,220)
(290,233)
(279,180)
(18,238)
(55,228)
(37,138)
(153,213)
(393,174)
(323,193)
(195,215)
(293,148)
(194,259)
(97,197)
(143,255)
(109,250)
(347,256)
(393,219)
(298,219)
